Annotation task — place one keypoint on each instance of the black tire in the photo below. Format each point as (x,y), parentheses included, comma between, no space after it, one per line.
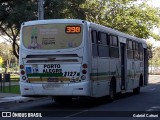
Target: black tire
(60,99)
(112,91)
(136,90)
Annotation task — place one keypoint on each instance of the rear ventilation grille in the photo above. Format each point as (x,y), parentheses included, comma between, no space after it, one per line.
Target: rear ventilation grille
(49,58)
(43,61)
(51,55)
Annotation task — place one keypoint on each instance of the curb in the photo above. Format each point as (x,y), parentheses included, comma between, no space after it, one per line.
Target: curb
(17,99)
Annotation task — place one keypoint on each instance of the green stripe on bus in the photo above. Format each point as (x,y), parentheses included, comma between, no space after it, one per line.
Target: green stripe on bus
(103,74)
(45,75)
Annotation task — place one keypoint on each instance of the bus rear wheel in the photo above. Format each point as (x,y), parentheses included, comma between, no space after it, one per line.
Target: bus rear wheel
(62,99)
(136,90)
(112,93)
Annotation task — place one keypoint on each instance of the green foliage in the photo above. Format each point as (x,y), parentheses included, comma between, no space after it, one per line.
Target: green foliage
(15,12)
(56,9)
(95,10)
(149,48)
(134,17)
(124,15)
(155,36)
(155,61)
(7,56)
(156,57)
(12,14)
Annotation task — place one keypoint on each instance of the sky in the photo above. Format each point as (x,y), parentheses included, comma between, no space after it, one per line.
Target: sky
(155,3)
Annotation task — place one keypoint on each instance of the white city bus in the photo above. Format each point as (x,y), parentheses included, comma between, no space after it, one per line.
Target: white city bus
(66,58)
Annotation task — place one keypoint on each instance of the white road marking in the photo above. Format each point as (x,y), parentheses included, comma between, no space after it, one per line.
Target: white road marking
(76,113)
(150,110)
(152,89)
(156,107)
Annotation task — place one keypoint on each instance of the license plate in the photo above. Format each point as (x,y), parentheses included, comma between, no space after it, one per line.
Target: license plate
(50,86)
(52,79)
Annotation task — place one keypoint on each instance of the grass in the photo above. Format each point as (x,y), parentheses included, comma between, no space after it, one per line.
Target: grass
(13,89)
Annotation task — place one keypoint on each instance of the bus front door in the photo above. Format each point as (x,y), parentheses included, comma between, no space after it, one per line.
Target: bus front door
(123,66)
(145,66)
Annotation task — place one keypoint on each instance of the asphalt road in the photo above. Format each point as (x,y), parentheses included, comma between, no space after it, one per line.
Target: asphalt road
(126,107)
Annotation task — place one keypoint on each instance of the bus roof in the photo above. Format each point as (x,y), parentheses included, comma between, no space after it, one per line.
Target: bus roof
(116,32)
(35,22)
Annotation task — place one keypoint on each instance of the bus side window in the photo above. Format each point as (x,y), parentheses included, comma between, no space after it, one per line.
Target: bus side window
(140,51)
(94,43)
(130,47)
(133,50)
(114,47)
(134,45)
(103,39)
(137,52)
(94,36)
(103,48)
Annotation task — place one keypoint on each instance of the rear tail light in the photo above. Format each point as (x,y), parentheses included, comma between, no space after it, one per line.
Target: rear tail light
(84,71)
(22,72)
(84,65)
(21,66)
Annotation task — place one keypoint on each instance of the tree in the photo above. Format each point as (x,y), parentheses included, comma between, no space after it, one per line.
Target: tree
(150,50)
(156,55)
(129,16)
(95,11)
(12,14)
(15,12)
(56,9)
(6,54)
(155,36)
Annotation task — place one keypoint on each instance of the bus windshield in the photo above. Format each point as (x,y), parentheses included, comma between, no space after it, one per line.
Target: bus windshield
(52,36)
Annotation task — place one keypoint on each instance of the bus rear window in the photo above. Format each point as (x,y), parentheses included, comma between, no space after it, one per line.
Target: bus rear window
(52,36)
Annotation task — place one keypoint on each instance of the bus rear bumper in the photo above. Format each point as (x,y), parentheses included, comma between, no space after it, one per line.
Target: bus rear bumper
(49,89)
